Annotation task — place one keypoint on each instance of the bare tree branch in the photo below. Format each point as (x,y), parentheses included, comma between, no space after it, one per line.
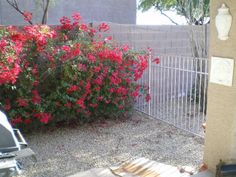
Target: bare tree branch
(14,4)
(44,5)
(45,12)
(158,8)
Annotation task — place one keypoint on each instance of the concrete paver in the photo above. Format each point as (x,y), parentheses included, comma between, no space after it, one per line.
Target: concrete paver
(96,172)
(204,174)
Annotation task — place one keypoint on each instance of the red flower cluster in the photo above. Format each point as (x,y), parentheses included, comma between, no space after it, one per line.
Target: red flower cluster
(43,117)
(27,16)
(103,27)
(9,54)
(36,99)
(72,89)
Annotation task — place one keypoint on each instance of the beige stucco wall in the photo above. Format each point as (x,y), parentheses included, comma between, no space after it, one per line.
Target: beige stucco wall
(220,140)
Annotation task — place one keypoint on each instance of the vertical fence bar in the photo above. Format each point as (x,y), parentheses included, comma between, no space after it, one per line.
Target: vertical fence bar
(178,92)
(190,94)
(164,89)
(195,93)
(171,90)
(187,92)
(205,87)
(168,89)
(161,88)
(155,89)
(175,83)
(199,117)
(152,104)
(149,81)
(182,93)
(159,92)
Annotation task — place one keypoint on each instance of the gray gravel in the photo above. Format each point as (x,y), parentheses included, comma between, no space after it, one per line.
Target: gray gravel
(67,151)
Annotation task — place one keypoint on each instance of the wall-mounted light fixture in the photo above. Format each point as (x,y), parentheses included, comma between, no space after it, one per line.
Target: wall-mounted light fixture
(223,22)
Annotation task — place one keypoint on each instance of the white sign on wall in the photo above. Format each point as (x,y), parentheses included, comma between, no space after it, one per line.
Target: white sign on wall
(222,71)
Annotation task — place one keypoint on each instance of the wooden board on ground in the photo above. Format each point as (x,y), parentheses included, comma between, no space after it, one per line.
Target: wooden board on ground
(143,167)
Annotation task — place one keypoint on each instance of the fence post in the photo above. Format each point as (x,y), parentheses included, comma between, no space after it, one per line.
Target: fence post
(149,80)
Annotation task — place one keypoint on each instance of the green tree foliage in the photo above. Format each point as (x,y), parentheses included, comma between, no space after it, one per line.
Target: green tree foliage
(196,12)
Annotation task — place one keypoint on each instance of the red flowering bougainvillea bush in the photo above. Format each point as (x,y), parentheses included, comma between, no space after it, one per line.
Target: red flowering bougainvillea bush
(66,72)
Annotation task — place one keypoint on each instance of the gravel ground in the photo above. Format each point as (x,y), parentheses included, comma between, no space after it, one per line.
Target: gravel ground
(66,151)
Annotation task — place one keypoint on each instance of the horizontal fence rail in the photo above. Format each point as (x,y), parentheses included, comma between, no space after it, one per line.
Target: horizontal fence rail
(178,89)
